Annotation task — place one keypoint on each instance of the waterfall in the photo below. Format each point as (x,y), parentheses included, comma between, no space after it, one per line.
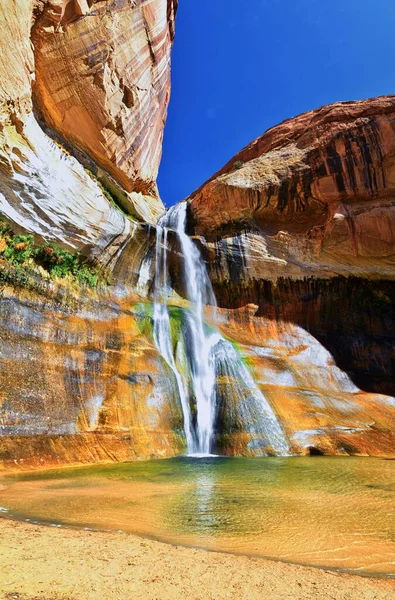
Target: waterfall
(162,331)
(253,410)
(201,353)
(199,292)
(199,349)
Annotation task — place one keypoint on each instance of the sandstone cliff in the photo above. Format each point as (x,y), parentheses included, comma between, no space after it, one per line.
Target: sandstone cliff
(103,84)
(84,90)
(299,244)
(312,196)
(80,382)
(92,77)
(301,223)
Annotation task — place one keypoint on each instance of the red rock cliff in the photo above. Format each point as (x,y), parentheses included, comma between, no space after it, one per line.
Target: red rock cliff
(302,224)
(103,82)
(94,77)
(319,188)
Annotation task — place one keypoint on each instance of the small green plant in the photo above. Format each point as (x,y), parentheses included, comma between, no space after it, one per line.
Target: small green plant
(113,200)
(238,164)
(61,264)
(144,315)
(23,254)
(19,249)
(4,228)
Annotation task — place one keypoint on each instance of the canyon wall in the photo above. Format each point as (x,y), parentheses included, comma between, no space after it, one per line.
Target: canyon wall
(80,382)
(301,223)
(83,99)
(297,232)
(84,90)
(320,408)
(103,85)
(313,196)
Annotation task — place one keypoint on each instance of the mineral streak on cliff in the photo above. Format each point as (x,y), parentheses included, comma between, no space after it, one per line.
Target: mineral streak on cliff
(103,84)
(317,191)
(80,383)
(300,251)
(301,223)
(100,72)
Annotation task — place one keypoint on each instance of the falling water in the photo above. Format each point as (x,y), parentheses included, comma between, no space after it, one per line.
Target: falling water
(254,412)
(162,331)
(201,352)
(199,293)
(201,364)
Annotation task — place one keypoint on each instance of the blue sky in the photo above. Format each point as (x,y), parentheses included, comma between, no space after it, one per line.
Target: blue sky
(241,66)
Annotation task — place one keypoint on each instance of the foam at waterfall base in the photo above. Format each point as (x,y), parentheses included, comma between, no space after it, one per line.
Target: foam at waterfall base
(202,455)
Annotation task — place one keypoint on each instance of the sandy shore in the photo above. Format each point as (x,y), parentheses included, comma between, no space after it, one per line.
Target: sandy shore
(44,563)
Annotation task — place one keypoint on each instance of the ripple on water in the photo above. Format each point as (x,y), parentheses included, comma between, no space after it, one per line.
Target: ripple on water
(327,511)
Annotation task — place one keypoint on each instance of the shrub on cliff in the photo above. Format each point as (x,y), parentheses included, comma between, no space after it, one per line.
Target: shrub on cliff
(61,263)
(238,164)
(19,249)
(21,252)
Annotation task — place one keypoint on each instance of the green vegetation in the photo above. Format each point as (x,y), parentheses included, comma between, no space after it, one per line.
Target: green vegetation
(20,252)
(144,314)
(113,200)
(238,164)
(176,314)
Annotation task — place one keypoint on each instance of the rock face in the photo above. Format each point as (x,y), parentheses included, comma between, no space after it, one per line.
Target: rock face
(92,77)
(100,76)
(320,409)
(302,224)
(103,84)
(81,383)
(317,189)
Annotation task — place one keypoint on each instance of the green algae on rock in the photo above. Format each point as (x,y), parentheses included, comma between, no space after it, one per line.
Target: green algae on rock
(295,236)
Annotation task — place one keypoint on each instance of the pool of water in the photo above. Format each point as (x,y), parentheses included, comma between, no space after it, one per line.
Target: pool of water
(325,511)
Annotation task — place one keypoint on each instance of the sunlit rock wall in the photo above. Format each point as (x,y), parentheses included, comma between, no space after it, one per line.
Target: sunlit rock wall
(80,383)
(84,90)
(302,223)
(313,196)
(94,77)
(103,84)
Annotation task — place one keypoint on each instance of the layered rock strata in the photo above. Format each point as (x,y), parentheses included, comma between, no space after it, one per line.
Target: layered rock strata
(103,84)
(320,409)
(100,75)
(80,383)
(312,196)
(84,90)
(301,223)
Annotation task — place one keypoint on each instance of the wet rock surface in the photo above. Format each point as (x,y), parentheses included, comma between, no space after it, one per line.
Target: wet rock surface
(297,233)
(80,383)
(92,77)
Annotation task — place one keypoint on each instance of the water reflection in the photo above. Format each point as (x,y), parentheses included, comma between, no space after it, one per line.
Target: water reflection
(228,499)
(206,520)
(332,512)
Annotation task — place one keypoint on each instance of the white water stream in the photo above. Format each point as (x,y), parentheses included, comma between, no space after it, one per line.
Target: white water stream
(201,353)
